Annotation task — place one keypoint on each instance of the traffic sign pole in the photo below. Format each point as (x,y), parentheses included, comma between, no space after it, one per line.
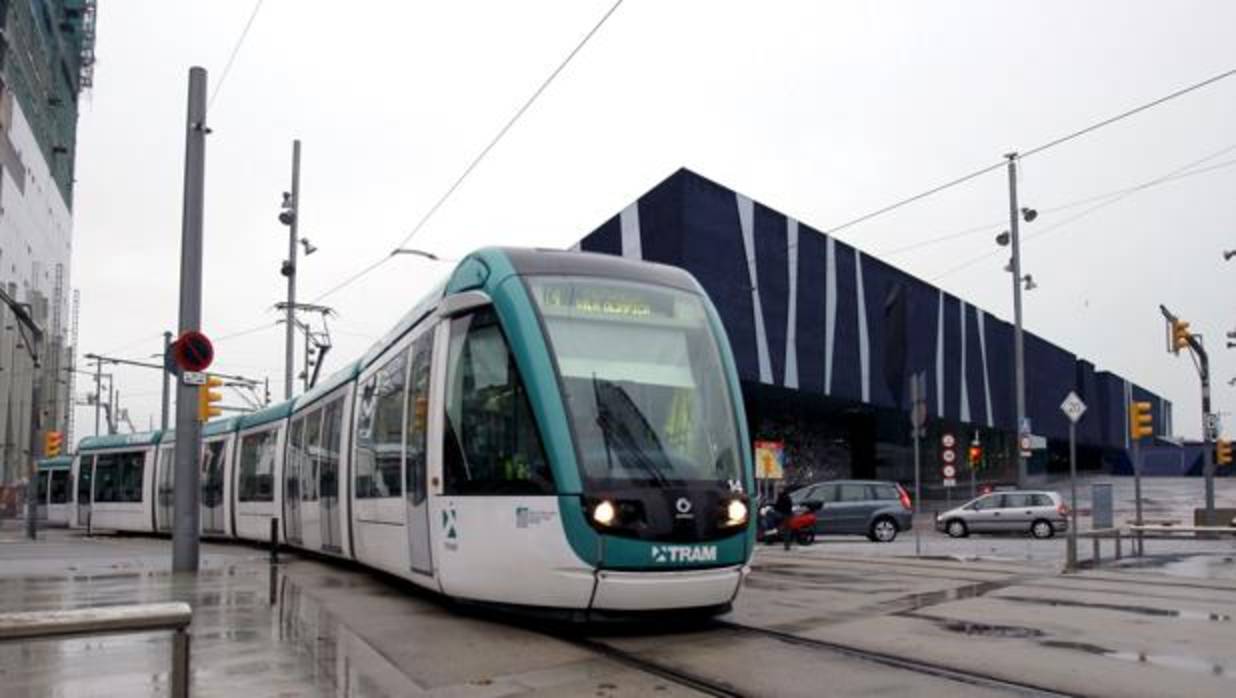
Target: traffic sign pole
(1073,408)
(187,490)
(918,417)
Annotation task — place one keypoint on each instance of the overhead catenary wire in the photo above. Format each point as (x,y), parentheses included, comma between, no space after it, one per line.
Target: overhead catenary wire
(1034,151)
(472,165)
(227,67)
(1188,170)
(999,224)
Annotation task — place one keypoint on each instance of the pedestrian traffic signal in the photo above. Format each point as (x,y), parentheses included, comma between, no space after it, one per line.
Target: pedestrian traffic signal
(976,456)
(1180,335)
(53,441)
(206,399)
(1223,452)
(1141,424)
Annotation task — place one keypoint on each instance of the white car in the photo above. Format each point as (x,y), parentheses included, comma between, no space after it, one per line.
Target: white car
(1041,514)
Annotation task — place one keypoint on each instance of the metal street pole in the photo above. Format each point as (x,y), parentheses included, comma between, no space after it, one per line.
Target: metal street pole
(1072,552)
(1019,359)
(111,407)
(98,394)
(291,272)
(167,378)
(185,533)
(32,489)
(1208,436)
(1137,489)
(918,414)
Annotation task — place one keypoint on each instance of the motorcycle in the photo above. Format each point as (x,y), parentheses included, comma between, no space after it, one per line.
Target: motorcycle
(801,525)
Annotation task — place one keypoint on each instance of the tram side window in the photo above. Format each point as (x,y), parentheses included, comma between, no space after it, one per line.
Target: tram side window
(212,475)
(492,445)
(118,477)
(167,476)
(380,432)
(257,467)
(292,465)
(332,429)
(418,419)
(61,486)
(311,457)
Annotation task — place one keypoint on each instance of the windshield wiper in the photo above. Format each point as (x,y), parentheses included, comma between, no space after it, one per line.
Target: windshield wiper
(622,421)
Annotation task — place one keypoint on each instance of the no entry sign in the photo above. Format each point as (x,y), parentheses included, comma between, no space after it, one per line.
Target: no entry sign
(193,351)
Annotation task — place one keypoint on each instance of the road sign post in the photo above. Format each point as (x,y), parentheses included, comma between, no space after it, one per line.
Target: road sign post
(1073,408)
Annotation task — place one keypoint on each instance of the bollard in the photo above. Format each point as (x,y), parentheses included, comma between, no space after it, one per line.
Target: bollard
(274,541)
(1096,551)
(180,664)
(1118,554)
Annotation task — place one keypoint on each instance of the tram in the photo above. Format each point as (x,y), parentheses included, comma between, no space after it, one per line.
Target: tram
(550,429)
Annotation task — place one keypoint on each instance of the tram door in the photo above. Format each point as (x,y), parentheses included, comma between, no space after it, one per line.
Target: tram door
(416,454)
(165,498)
(291,481)
(85,480)
(212,487)
(328,474)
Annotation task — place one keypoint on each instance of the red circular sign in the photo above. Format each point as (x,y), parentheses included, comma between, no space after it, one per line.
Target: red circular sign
(193,351)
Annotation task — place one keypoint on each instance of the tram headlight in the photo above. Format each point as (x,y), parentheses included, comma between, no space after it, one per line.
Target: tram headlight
(604,513)
(736,513)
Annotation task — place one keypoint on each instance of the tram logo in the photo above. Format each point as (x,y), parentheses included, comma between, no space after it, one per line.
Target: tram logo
(683,505)
(684,553)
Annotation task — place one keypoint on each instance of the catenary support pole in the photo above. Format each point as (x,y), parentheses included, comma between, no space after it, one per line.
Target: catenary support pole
(36,413)
(1019,357)
(188,428)
(1208,436)
(98,393)
(291,273)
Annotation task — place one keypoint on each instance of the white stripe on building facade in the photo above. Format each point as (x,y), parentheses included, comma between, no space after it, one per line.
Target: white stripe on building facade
(965,389)
(632,247)
(982,333)
(864,349)
(791,322)
(830,311)
(940,356)
(746,219)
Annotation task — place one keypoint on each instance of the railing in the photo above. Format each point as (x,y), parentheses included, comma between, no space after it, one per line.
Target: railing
(109,620)
(1137,533)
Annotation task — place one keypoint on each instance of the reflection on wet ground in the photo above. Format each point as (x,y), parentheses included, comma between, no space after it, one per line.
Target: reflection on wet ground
(966,627)
(1167,661)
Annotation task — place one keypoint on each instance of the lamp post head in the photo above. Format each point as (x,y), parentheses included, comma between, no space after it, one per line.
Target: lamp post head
(1028,214)
(1229,254)
(1003,238)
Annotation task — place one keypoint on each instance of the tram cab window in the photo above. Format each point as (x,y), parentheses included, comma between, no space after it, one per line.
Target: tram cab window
(492,445)
(257,467)
(418,419)
(379,437)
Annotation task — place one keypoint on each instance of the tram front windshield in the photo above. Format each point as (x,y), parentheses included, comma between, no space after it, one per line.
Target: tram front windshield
(643,382)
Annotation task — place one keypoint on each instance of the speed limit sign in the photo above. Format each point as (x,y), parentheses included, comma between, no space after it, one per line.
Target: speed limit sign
(948,456)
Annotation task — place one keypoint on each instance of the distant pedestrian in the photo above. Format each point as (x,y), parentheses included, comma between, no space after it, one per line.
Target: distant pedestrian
(784,506)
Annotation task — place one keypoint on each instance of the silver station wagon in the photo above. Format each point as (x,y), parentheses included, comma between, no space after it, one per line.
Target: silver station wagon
(1041,514)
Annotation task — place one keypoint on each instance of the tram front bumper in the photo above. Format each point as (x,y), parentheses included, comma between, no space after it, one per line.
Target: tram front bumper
(645,591)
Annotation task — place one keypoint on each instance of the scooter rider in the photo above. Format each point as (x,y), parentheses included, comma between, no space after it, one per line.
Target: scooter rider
(784,506)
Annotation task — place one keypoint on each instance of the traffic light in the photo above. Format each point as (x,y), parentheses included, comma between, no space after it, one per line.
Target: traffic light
(1141,424)
(1223,452)
(1180,335)
(976,456)
(206,399)
(53,441)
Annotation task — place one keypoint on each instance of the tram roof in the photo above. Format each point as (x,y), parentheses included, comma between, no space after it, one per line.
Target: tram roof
(55,463)
(266,415)
(98,443)
(333,381)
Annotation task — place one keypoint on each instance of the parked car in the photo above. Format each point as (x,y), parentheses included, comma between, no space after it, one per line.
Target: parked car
(1041,514)
(878,510)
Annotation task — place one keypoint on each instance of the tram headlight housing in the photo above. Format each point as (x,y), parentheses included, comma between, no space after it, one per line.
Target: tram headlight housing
(605,513)
(736,513)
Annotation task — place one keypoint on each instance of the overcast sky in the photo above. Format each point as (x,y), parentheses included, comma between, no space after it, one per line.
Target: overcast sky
(823,110)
